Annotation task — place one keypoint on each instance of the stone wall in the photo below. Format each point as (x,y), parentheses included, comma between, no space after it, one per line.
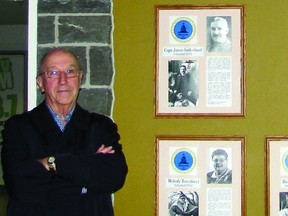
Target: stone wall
(85,27)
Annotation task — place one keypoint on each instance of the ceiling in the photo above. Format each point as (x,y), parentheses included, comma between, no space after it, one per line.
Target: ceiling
(13,12)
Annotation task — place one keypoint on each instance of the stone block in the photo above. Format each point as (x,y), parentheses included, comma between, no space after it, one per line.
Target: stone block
(97,100)
(85,29)
(74,6)
(101,66)
(46,30)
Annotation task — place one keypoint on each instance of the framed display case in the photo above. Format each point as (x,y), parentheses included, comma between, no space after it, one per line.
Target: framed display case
(276,175)
(199,61)
(200,175)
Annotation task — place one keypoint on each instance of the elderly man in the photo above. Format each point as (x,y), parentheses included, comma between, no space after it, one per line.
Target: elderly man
(59,159)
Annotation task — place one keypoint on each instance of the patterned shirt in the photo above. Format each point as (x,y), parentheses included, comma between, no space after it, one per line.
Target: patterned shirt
(61,120)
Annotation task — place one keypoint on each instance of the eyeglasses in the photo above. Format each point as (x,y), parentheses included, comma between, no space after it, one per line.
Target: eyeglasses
(54,74)
(219,160)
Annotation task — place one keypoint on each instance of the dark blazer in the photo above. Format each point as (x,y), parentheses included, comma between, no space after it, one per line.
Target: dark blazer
(34,191)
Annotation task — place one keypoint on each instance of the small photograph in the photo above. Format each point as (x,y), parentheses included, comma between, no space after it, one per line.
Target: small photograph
(221,173)
(219,34)
(183,83)
(283,204)
(180,203)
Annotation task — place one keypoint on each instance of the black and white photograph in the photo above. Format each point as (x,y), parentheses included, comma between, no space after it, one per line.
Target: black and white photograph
(219,37)
(283,205)
(180,203)
(221,173)
(183,84)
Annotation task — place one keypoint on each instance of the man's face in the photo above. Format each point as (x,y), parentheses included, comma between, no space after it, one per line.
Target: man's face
(182,70)
(61,91)
(220,163)
(182,200)
(219,31)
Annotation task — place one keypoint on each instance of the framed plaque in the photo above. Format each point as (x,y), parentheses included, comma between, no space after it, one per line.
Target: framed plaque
(200,175)
(277,175)
(200,61)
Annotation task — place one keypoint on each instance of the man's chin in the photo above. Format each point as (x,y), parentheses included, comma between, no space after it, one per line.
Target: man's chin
(218,41)
(219,170)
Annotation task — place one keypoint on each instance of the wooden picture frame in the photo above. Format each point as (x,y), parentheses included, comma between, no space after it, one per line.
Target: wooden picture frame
(186,166)
(276,172)
(199,61)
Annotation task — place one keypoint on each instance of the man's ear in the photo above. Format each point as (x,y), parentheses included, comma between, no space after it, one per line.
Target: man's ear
(81,77)
(40,83)
(227,30)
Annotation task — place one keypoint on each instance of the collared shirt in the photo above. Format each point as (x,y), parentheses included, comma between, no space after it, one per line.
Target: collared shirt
(224,178)
(61,120)
(222,47)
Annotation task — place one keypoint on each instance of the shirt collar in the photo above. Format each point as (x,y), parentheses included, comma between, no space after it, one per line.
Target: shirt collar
(59,118)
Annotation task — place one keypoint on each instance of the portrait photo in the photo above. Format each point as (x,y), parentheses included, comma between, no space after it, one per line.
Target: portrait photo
(219,37)
(220,171)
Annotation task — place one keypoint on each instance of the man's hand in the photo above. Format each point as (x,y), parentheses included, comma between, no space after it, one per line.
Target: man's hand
(179,96)
(43,161)
(105,150)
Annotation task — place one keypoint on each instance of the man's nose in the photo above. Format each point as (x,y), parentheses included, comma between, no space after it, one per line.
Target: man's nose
(62,77)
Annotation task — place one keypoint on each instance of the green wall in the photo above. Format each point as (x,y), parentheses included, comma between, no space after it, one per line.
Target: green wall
(266,108)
